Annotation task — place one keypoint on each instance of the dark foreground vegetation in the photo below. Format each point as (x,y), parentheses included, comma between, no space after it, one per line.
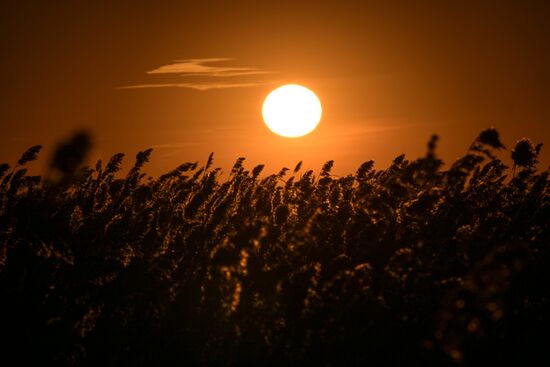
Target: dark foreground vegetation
(411,265)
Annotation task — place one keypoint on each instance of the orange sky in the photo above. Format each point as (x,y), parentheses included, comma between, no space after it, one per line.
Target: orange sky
(388,77)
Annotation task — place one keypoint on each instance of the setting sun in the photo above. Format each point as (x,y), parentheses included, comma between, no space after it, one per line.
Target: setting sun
(292,111)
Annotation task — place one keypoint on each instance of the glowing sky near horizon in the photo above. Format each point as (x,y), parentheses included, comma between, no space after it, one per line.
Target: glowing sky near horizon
(189,78)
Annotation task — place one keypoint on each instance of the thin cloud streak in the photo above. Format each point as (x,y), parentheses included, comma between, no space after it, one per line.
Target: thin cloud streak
(360,131)
(228,73)
(196,86)
(192,68)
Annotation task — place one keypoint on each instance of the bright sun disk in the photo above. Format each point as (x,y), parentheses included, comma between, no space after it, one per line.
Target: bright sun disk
(292,111)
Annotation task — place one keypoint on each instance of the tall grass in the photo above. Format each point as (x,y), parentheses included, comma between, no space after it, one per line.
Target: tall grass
(409,264)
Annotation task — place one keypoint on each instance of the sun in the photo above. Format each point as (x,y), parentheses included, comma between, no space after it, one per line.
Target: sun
(292,111)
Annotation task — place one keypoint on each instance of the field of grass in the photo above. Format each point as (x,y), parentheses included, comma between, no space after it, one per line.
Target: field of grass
(410,265)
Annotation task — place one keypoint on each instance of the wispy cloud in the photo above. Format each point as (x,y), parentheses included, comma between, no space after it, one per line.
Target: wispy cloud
(197,85)
(196,67)
(204,68)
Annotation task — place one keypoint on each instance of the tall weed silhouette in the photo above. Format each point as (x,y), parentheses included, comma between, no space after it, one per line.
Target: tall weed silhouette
(405,265)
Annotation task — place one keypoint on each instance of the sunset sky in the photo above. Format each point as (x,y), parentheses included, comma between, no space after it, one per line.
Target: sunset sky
(189,78)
